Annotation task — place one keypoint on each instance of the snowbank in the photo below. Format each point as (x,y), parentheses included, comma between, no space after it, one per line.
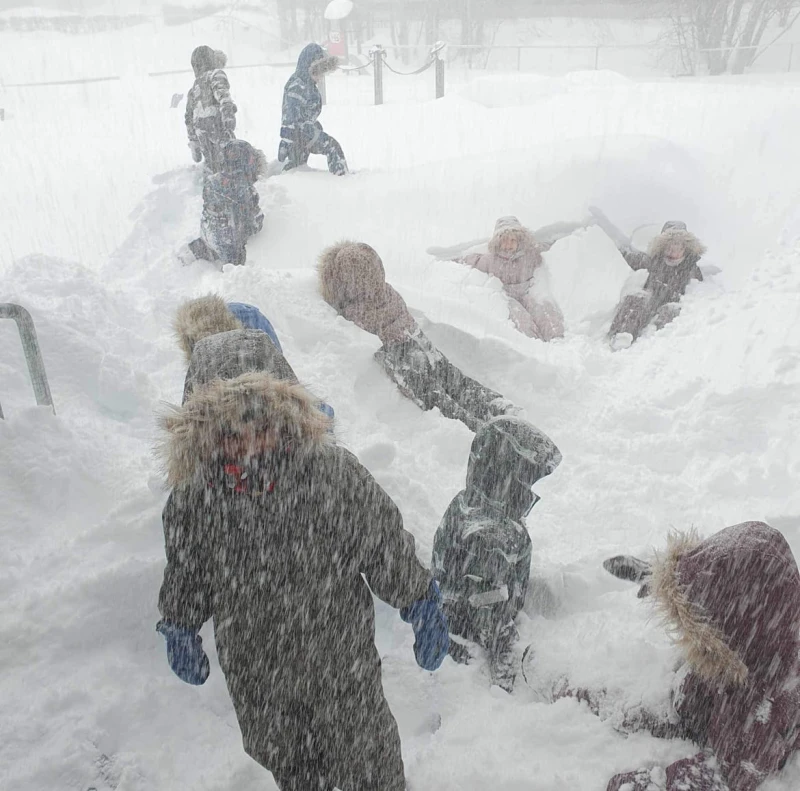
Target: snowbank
(692,426)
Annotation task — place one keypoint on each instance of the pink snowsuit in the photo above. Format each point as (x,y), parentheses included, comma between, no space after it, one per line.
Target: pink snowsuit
(534,314)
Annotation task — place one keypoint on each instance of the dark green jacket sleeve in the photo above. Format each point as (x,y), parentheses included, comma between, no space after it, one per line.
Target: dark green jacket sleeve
(386,551)
(185,596)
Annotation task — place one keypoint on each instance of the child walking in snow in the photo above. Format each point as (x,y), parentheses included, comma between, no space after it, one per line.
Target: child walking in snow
(223,340)
(268,529)
(231,211)
(301,133)
(353,282)
(210,112)
(482,550)
(671,260)
(733,603)
(515,259)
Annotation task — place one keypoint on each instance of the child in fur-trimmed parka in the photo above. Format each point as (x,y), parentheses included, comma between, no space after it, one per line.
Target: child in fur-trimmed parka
(671,260)
(210,112)
(268,529)
(482,550)
(231,211)
(732,601)
(226,339)
(301,132)
(353,282)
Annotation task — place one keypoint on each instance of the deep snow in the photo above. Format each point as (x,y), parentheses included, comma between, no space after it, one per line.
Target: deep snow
(694,426)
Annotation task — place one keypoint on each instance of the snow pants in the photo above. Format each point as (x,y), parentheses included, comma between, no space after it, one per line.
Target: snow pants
(349,743)
(493,631)
(296,147)
(429,379)
(636,311)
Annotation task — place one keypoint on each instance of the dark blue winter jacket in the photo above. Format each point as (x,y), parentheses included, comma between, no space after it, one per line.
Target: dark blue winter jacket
(253,319)
(302,102)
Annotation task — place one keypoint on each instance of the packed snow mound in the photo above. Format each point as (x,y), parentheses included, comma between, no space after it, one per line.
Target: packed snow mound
(526,89)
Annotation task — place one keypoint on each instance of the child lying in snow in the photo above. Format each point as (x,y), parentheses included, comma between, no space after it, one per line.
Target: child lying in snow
(482,550)
(671,260)
(733,603)
(515,258)
(352,281)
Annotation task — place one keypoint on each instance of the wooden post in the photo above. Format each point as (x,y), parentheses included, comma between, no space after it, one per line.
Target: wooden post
(791,54)
(323,91)
(596,57)
(377,68)
(439,77)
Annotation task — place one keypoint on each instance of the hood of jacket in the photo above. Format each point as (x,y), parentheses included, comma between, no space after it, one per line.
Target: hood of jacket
(732,602)
(507,227)
(352,281)
(507,457)
(313,61)
(204,59)
(695,249)
(199,318)
(192,433)
(226,355)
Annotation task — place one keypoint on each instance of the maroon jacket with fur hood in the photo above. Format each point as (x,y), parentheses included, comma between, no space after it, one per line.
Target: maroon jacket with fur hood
(733,602)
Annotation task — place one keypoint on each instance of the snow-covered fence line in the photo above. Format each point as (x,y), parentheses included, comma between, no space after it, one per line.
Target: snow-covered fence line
(33,354)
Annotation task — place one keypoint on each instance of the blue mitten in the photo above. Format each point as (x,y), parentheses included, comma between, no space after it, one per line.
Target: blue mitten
(185,653)
(430,628)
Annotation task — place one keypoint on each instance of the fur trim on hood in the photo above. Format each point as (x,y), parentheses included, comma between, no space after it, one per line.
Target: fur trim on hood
(199,318)
(350,272)
(193,432)
(702,643)
(695,249)
(323,66)
(511,226)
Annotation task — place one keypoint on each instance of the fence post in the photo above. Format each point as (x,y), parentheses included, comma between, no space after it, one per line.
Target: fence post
(33,354)
(436,51)
(596,57)
(519,58)
(323,92)
(791,54)
(377,68)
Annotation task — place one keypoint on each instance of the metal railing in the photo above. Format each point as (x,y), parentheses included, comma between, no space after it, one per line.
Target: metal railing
(33,354)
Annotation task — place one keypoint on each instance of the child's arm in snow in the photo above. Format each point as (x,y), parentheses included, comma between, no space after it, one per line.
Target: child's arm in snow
(634,258)
(456,252)
(548,235)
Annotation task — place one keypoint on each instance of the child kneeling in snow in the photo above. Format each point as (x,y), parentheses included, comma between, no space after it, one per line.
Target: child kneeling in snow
(282,537)
(352,281)
(515,259)
(231,212)
(482,550)
(671,260)
(733,602)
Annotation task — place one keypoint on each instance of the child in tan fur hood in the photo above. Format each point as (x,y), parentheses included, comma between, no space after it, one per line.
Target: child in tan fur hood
(353,282)
(732,601)
(671,260)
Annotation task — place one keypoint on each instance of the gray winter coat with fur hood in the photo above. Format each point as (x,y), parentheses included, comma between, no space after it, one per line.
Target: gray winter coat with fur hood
(275,556)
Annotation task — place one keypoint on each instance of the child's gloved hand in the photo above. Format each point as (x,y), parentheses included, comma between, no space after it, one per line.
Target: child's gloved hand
(430,628)
(185,653)
(194,147)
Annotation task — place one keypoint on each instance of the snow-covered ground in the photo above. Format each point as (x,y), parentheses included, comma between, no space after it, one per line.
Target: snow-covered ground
(694,426)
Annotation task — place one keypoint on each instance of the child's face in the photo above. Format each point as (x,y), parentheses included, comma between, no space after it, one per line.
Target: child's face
(675,252)
(249,441)
(509,244)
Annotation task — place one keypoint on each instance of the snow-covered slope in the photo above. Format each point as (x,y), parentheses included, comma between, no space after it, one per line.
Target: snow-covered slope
(694,426)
